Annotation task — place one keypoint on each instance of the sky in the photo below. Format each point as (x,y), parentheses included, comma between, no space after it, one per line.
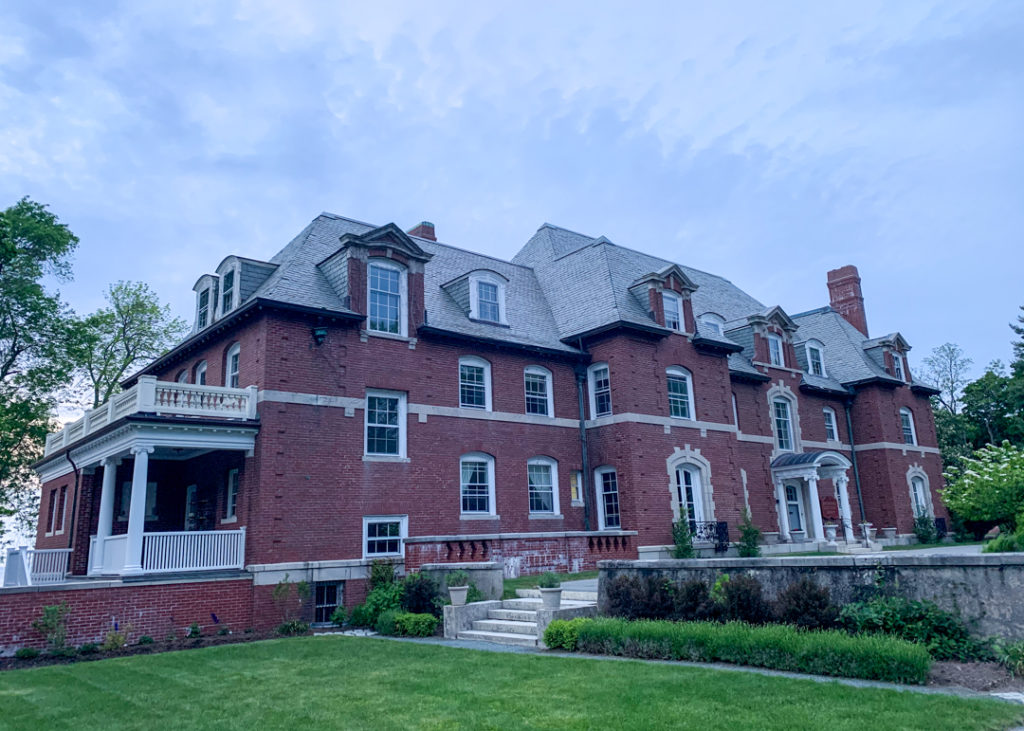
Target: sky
(765,142)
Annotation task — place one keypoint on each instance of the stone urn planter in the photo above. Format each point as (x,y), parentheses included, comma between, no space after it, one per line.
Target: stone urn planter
(458,595)
(551,598)
(830,533)
(770,538)
(889,534)
(868,532)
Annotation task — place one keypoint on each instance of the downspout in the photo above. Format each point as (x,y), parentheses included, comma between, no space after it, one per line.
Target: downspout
(581,380)
(853,458)
(74,499)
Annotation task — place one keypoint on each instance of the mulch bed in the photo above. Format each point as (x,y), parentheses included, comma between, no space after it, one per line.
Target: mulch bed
(987,677)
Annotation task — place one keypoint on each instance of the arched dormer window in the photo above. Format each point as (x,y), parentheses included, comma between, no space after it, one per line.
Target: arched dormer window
(474,383)
(199,376)
(672,304)
(907,426)
(712,324)
(680,393)
(815,358)
(206,289)
(476,484)
(231,363)
(538,391)
(387,298)
(487,297)
(599,380)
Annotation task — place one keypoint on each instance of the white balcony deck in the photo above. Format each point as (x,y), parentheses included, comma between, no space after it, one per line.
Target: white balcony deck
(150,396)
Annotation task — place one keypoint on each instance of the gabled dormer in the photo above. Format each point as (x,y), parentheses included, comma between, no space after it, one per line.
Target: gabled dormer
(481,295)
(239,278)
(773,333)
(665,295)
(890,353)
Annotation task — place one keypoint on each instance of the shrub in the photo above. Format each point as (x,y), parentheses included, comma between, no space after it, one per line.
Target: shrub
(360,616)
(826,652)
(750,537)
(548,580)
(474,594)
(457,578)
(562,634)
(282,597)
(145,640)
(421,595)
(693,602)
(410,624)
(807,605)
(292,627)
(115,639)
(924,529)
(53,625)
(223,632)
(340,616)
(89,648)
(194,631)
(682,539)
(640,597)
(382,573)
(385,624)
(383,598)
(26,653)
(943,633)
(1005,543)
(1012,657)
(743,600)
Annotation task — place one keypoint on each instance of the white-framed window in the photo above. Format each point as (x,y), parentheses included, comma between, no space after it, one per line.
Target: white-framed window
(384,535)
(794,507)
(680,393)
(203,309)
(55,515)
(600,390)
(487,297)
(182,376)
(51,513)
(231,495)
(831,434)
(328,596)
(539,396)
(385,422)
(776,355)
(386,297)
(712,324)
(782,414)
(542,484)
(735,413)
(672,303)
(231,365)
(576,487)
(227,291)
(476,484)
(606,482)
(815,358)
(897,367)
(474,383)
(690,493)
(907,426)
(200,377)
(919,494)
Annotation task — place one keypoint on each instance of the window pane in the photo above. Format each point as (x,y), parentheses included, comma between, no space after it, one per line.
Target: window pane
(382,427)
(385,299)
(673,317)
(384,537)
(775,351)
(679,397)
(782,425)
(908,428)
(536,394)
(487,299)
(830,427)
(602,392)
(610,499)
(472,387)
(542,499)
(815,361)
(475,487)
(227,293)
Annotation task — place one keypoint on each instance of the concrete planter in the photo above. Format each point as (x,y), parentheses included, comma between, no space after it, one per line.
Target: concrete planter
(889,534)
(830,533)
(458,595)
(551,598)
(770,538)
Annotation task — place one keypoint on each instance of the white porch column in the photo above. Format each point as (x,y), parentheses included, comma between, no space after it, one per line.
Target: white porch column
(812,489)
(137,511)
(842,481)
(783,508)
(106,521)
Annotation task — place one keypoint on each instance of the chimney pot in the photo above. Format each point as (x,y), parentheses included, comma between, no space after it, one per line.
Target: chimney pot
(425,230)
(846,297)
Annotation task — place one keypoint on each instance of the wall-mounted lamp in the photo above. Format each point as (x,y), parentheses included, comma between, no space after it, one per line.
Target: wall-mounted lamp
(319,335)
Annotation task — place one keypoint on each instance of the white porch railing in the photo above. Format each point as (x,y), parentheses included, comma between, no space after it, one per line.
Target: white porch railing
(193,550)
(160,397)
(35,566)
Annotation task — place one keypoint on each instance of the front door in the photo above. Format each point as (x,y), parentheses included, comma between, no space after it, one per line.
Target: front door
(191,519)
(795,507)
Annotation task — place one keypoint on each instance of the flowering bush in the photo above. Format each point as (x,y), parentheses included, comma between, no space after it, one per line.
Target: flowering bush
(989,486)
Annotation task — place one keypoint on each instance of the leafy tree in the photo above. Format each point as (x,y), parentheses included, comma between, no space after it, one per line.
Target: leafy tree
(39,343)
(990,408)
(947,369)
(989,486)
(134,329)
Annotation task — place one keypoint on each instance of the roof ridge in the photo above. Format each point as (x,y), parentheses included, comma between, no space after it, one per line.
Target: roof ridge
(816,311)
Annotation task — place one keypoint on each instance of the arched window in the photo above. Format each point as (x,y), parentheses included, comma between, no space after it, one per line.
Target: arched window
(476,484)
(690,493)
(474,383)
(672,303)
(606,484)
(680,393)
(600,382)
(231,365)
(831,433)
(782,418)
(386,297)
(907,426)
(712,324)
(542,484)
(538,387)
(182,376)
(920,495)
(200,374)
(815,358)
(487,297)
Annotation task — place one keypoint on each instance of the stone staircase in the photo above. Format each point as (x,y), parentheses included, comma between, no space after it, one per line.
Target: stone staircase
(515,622)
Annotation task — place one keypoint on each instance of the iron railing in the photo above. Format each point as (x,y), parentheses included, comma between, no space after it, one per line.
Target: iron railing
(711,531)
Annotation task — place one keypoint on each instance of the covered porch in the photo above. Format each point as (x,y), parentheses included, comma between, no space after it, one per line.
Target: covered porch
(797,478)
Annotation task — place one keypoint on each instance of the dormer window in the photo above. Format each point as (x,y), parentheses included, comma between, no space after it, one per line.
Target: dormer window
(487,297)
(386,298)
(775,352)
(897,366)
(203,311)
(711,324)
(227,292)
(673,306)
(815,358)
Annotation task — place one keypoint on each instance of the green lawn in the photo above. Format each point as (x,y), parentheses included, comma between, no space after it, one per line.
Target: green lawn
(346,682)
(530,581)
(919,546)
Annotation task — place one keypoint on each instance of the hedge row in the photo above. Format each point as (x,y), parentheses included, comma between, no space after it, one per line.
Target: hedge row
(778,647)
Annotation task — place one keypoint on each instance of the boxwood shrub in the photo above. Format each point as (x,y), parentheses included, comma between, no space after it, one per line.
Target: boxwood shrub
(778,647)
(409,624)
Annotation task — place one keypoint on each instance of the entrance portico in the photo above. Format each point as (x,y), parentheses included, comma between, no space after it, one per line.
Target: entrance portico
(796,478)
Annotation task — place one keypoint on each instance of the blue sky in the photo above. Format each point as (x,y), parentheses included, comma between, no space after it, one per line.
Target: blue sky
(766,142)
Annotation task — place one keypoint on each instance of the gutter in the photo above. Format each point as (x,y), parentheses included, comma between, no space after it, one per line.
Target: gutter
(581,384)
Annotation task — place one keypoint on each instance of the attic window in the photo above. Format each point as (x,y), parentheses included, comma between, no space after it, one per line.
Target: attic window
(673,307)
(897,366)
(386,296)
(775,353)
(203,310)
(487,297)
(711,324)
(815,358)
(227,292)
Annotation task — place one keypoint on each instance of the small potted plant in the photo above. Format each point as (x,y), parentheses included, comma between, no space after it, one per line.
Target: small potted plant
(550,590)
(458,587)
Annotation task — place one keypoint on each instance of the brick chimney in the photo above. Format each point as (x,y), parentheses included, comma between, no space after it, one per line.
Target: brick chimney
(846,297)
(425,230)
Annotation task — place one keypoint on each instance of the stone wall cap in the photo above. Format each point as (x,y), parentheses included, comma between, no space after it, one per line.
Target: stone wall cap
(988,559)
(464,565)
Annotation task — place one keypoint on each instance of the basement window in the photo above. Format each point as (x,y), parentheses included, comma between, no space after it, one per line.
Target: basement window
(327,599)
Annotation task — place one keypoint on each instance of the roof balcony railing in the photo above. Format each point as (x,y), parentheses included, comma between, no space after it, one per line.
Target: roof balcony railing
(150,396)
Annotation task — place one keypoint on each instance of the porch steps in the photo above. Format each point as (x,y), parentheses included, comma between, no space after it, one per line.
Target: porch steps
(515,621)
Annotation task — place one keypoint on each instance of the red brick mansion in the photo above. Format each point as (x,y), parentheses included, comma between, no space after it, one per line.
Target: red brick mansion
(371,393)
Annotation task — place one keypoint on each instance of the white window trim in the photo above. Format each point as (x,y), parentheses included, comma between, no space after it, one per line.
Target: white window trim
(826,412)
(492,508)
(403,297)
(680,372)
(210,307)
(235,349)
(472,360)
(916,472)
(713,322)
(182,376)
(549,385)
(556,508)
(899,367)
(816,345)
(801,508)
(200,373)
(403,533)
(913,427)
(402,424)
(231,506)
(699,509)
(474,296)
(775,428)
(770,338)
(235,282)
(667,295)
(599,495)
(592,395)
(735,414)
(578,500)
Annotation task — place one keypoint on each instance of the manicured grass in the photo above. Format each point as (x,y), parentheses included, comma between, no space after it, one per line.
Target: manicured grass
(919,546)
(345,682)
(530,581)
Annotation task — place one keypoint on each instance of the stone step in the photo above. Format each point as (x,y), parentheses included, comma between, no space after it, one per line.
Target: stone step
(518,615)
(532,605)
(506,626)
(501,638)
(567,595)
